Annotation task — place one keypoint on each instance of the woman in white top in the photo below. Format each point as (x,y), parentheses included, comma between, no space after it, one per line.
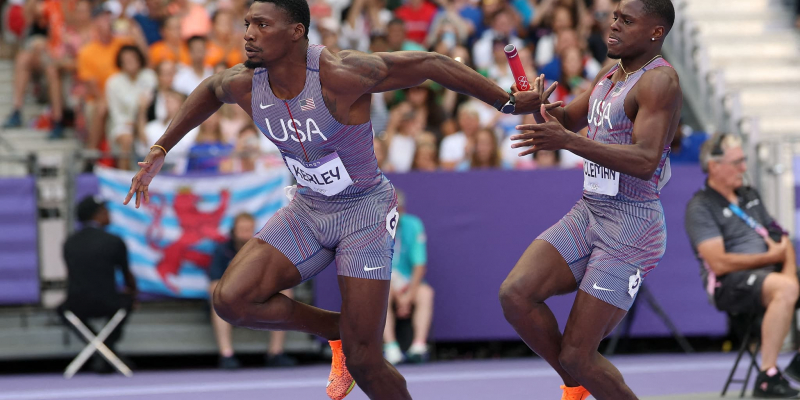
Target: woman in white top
(126,91)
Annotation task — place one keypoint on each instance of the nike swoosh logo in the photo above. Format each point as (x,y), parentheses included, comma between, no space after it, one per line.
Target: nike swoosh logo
(263,107)
(371,269)
(329,383)
(599,288)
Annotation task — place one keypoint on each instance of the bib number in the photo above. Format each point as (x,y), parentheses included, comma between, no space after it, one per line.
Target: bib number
(599,179)
(326,176)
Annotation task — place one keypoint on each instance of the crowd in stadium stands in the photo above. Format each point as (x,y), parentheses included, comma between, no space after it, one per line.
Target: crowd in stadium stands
(117,71)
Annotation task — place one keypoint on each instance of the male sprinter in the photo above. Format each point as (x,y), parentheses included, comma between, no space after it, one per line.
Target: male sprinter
(315,105)
(616,233)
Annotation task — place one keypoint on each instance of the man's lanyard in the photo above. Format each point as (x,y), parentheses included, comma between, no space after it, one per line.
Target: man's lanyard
(750,221)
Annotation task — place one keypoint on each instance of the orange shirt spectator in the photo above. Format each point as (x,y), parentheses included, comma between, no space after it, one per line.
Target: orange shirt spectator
(217,55)
(194,18)
(97,61)
(160,52)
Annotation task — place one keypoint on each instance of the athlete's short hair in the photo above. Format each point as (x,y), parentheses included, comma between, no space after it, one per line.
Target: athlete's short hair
(663,9)
(297,10)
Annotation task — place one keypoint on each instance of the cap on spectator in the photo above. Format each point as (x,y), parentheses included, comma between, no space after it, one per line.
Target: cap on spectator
(88,207)
(103,8)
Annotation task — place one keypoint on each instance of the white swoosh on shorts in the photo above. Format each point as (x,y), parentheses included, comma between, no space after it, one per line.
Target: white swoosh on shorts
(371,269)
(599,288)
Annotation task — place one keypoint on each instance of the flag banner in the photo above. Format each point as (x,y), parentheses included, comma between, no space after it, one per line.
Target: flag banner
(171,240)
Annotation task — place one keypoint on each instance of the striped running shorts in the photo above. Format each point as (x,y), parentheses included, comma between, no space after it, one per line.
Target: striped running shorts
(610,246)
(357,232)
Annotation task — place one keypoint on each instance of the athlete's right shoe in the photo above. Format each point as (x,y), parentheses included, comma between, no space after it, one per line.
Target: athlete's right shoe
(340,382)
(574,393)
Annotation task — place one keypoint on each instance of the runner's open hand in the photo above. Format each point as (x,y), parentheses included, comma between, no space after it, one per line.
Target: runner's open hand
(550,135)
(141,181)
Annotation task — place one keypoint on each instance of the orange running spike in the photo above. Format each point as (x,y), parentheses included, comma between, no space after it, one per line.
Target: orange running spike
(574,393)
(340,382)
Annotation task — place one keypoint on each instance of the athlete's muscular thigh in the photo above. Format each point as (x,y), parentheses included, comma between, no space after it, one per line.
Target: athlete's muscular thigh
(258,271)
(541,272)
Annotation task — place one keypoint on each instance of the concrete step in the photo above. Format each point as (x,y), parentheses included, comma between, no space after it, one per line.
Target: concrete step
(180,329)
(743,28)
(751,50)
(766,75)
(788,100)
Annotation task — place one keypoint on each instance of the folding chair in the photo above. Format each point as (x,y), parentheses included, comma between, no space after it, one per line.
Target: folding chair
(745,347)
(95,343)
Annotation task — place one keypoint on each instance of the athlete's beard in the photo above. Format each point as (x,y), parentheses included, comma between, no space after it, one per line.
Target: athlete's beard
(610,55)
(250,64)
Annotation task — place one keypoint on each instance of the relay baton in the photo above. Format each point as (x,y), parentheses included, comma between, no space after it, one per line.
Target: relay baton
(516,68)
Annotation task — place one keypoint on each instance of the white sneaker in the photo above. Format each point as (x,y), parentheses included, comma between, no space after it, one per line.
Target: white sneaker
(418,353)
(392,353)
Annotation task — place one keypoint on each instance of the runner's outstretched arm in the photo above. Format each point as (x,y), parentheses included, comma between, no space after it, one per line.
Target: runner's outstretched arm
(205,100)
(357,73)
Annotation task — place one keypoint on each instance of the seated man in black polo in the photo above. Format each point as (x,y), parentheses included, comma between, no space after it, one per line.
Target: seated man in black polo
(748,263)
(93,257)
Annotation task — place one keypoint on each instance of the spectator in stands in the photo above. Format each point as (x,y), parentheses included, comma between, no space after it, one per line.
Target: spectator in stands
(127,92)
(154,129)
(165,73)
(410,295)
(417,15)
(97,61)
(190,76)
(396,37)
(405,123)
(747,261)
(247,151)
(210,153)
(150,18)
(244,226)
(453,149)
(426,155)
(363,19)
(224,47)
(171,47)
(194,18)
(231,122)
(485,153)
(93,258)
(562,19)
(77,33)
(501,30)
(448,26)
(423,99)
(45,31)
(381,154)
(328,29)
(546,159)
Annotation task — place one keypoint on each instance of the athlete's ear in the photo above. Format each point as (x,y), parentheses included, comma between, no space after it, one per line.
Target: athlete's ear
(299,32)
(658,33)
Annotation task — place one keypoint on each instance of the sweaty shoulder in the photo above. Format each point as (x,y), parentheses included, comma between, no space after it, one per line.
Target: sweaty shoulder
(233,83)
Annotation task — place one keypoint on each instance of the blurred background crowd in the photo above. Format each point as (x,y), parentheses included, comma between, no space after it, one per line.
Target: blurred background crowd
(116,72)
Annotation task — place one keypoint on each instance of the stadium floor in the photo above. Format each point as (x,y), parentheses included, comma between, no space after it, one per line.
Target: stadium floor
(652,377)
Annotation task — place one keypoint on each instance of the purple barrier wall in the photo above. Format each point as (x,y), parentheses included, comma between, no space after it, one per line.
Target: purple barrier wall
(19,250)
(479,223)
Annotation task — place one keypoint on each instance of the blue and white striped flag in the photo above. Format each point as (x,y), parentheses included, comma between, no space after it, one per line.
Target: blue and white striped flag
(171,240)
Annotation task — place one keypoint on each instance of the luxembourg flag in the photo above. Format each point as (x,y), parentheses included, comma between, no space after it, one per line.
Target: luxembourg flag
(171,239)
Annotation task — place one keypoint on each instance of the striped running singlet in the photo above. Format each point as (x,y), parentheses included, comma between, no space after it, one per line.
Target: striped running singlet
(308,136)
(608,123)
